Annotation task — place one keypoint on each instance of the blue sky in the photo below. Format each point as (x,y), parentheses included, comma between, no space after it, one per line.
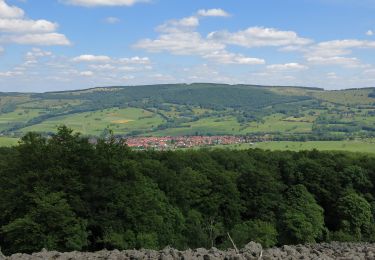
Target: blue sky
(73,44)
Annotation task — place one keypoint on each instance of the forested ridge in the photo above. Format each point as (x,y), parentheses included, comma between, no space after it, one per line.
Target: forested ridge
(64,193)
(280,113)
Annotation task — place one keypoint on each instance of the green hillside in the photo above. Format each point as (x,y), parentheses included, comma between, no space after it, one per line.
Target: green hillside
(284,113)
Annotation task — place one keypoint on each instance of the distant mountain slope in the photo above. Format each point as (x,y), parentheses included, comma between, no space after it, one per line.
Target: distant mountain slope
(209,95)
(201,108)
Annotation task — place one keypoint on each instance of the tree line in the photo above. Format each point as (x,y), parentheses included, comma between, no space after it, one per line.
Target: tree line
(65,193)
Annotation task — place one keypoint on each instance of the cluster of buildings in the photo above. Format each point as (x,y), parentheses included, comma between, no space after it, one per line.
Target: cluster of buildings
(170,142)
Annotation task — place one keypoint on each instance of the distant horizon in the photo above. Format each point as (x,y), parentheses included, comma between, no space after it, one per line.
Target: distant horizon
(193,83)
(59,45)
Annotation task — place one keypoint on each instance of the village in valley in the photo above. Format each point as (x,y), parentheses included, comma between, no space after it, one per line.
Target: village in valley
(175,142)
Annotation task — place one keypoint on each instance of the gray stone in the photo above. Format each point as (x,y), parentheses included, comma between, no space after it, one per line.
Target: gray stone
(324,251)
(253,249)
(2,257)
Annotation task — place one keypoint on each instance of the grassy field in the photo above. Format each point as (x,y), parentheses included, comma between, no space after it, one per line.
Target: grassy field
(93,123)
(277,123)
(18,116)
(229,125)
(214,125)
(367,146)
(8,141)
(346,97)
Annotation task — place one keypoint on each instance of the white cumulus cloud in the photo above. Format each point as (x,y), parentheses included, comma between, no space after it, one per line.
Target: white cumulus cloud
(32,57)
(216,12)
(287,66)
(259,37)
(15,28)
(181,25)
(102,66)
(135,60)
(336,52)
(181,43)
(28,26)
(45,39)
(86,73)
(225,57)
(93,3)
(109,61)
(7,11)
(91,58)
(179,37)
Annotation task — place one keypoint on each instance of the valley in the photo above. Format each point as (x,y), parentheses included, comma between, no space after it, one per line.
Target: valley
(202,109)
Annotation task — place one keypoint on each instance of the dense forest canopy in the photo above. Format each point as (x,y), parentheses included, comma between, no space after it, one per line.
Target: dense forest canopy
(64,193)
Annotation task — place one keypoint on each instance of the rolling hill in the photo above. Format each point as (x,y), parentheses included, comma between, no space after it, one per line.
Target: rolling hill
(284,113)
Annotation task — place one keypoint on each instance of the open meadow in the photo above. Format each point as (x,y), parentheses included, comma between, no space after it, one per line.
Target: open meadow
(363,146)
(120,121)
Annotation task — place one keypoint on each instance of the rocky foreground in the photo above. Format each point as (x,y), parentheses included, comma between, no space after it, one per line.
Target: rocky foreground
(342,251)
